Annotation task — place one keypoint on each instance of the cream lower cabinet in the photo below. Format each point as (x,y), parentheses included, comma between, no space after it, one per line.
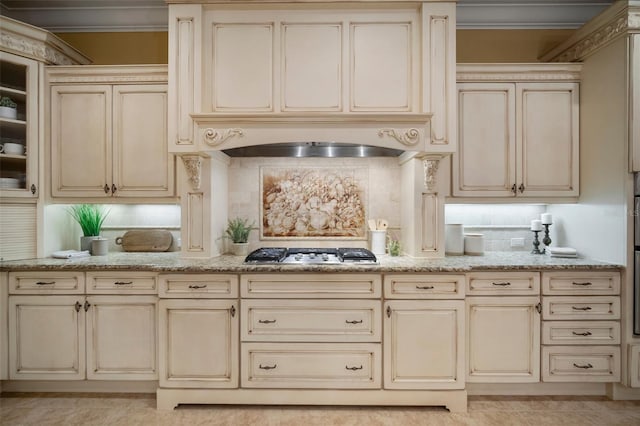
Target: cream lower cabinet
(59,337)
(509,119)
(101,132)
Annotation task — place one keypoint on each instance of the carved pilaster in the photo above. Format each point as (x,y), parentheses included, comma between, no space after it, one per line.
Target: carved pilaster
(213,137)
(430,165)
(193,166)
(407,137)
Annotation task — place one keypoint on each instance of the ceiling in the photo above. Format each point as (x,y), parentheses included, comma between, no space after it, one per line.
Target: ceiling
(151,15)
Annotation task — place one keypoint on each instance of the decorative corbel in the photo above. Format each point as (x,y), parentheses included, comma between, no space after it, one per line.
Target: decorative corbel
(193,166)
(213,137)
(430,165)
(407,137)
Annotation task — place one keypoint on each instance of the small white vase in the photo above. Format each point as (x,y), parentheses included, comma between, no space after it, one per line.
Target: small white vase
(239,249)
(85,242)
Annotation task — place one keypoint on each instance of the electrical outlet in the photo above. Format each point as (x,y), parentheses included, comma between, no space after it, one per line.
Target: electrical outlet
(517,242)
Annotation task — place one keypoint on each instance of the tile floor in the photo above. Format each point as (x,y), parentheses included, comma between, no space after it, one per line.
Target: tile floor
(135,409)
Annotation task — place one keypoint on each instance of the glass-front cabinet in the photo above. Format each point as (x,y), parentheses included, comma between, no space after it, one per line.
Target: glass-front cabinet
(18,126)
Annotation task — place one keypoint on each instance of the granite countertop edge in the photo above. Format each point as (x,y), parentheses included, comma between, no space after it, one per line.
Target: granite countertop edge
(174,262)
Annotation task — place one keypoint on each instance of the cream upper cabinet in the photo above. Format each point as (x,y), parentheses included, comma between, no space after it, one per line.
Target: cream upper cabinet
(101,132)
(424,344)
(634,101)
(518,131)
(503,339)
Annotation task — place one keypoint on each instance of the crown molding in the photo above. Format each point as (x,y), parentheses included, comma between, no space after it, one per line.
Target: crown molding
(152,15)
(111,74)
(518,72)
(619,20)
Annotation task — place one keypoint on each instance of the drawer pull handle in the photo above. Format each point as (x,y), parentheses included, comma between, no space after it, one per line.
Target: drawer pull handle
(45,283)
(266,321)
(583,284)
(123,282)
(353,368)
(196,286)
(354,322)
(584,308)
(267,367)
(424,287)
(504,284)
(583,366)
(586,333)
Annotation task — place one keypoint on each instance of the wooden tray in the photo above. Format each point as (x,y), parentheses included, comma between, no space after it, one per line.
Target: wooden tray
(146,240)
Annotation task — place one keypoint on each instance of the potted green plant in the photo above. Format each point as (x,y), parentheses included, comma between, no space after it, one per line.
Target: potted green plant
(8,108)
(238,232)
(90,217)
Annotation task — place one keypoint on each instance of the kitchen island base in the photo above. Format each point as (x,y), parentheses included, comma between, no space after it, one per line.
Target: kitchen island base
(454,400)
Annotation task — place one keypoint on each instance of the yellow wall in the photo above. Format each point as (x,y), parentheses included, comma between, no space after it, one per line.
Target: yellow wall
(121,47)
(473,45)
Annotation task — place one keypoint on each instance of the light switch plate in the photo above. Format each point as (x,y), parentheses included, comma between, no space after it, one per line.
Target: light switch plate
(517,242)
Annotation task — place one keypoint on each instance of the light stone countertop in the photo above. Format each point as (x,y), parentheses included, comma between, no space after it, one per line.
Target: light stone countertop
(173,262)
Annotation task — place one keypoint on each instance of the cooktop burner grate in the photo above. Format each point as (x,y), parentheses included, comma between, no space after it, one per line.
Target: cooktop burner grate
(304,255)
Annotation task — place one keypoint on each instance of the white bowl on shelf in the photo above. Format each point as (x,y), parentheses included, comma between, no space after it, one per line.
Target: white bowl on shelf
(6,112)
(11,148)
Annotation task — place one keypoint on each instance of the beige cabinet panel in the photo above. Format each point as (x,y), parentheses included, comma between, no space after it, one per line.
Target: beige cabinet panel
(121,338)
(503,339)
(424,345)
(46,338)
(580,333)
(566,283)
(548,124)
(81,150)
(581,363)
(485,163)
(428,286)
(311,320)
(581,308)
(634,365)
(198,343)
(193,286)
(243,66)
(311,63)
(114,282)
(46,282)
(634,101)
(311,365)
(303,286)
(503,283)
(140,132)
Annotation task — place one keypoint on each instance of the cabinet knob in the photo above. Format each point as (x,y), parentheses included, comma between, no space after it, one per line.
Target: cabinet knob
(78,306)
(587,283)
(424,287)
(106,188)
(581,308)
(521,188)
(87,305)
(388,311)
(502,284)
(267,321)
(233,311)
(45,283)
(123,283)
(514,189)
(196,286)
(114,188)
(539,307)
(586,333)
(33,189)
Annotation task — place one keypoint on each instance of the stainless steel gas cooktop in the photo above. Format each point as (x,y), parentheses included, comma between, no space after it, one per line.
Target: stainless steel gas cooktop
(311,256)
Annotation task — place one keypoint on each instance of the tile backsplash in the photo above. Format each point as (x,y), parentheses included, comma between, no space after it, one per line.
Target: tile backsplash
(499,223)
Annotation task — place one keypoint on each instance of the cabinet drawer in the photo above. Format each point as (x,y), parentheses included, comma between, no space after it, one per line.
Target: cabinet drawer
(311,320)
(121,283)
(580,333)
(580,283)
(424,286)
(194,286)
(581,308)
(580,363)
(44,282)
(503,283)
(311,365)
(316,286)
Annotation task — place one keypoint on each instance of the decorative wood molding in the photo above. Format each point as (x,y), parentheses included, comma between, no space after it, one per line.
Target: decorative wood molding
(109,74)
(193,166)
(430,165)
(408,137)
(517,72)
(617,21)
(213,137)
(36,43)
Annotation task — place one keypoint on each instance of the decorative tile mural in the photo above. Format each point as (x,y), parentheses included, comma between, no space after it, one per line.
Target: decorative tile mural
(312,202)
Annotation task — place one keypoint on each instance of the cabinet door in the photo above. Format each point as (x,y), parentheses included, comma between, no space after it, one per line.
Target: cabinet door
(547,116)
(19,169)
(634,101)
(424,345)
(46,338)
(485,163)
(140,132)
(503,339)
(121,336)
(198,343)
(81,141)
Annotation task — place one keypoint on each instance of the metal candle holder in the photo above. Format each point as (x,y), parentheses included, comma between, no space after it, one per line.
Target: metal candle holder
(546,240)
(536,244)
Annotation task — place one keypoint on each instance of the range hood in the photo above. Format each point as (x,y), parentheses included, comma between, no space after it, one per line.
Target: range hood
(313,149)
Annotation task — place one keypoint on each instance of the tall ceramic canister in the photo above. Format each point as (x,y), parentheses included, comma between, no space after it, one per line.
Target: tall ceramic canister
(454,239)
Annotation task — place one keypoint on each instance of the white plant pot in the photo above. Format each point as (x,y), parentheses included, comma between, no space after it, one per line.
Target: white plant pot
(7,112)
(239,249)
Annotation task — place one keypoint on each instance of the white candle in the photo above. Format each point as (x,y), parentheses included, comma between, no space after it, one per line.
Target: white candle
(547,219)
(536,225)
